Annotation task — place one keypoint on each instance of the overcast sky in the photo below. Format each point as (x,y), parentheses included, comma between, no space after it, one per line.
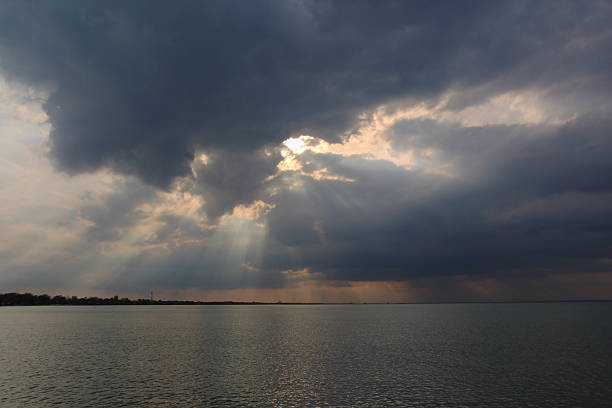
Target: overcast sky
(307,150)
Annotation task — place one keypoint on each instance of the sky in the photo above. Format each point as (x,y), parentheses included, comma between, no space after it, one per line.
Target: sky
(336,151)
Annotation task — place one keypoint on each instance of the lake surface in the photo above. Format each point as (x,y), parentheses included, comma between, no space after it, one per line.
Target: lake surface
(453,355)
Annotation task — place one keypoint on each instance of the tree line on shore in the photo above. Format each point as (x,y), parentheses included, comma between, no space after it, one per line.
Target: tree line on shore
(28,299)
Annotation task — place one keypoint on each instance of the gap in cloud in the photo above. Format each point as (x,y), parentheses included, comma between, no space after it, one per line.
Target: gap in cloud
(371,139)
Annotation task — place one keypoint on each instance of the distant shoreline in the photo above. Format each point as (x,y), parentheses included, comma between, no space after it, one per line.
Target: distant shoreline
(28,299)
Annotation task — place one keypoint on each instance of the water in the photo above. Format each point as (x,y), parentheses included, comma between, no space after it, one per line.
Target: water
(472,355)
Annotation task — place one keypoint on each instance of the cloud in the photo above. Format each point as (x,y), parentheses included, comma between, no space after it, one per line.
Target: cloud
(230,178)
(139,87)
(520,197)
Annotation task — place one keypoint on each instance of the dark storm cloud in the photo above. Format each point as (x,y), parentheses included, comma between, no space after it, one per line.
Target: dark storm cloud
(139,86)
(518,160)
(521,198)
(230,178)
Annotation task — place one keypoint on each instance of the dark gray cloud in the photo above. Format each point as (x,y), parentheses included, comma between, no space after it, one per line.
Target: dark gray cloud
(522,198)
(230,178)
(138,86)
(523,201)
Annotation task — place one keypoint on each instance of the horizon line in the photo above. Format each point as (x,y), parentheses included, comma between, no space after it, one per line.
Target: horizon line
(62,300)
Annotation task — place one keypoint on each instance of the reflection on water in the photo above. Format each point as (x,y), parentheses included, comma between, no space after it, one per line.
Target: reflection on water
(477,355)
